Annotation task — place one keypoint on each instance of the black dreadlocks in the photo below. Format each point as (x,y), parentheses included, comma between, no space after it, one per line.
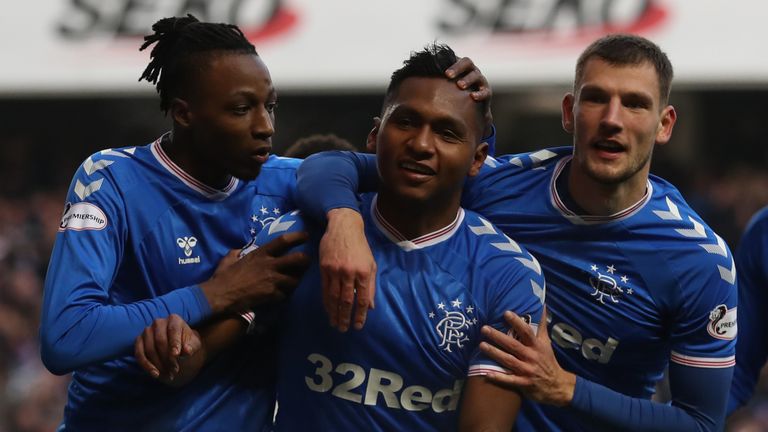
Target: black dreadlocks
(178,40)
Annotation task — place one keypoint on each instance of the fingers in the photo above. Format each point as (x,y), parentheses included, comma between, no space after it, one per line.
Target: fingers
(365,287)
(291,264)
(150,352)
(461,67)
(346,300)
(522,330)
(328,302)
(507,361)
(175,328)
(504,342)
(283,243)
(508,380)
(332,298)
(543,332)
(191,342)
(141,357)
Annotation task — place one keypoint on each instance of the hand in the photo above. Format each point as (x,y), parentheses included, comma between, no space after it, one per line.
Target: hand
(263,276)
(468,76)
(170,351)
(531,362)
(348,270)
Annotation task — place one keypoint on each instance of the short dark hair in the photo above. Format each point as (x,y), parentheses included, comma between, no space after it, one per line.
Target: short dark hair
(626,49)
(431,62)
(179,41)
(316,143)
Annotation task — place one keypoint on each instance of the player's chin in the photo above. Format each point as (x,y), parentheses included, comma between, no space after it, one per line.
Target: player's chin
(248,173)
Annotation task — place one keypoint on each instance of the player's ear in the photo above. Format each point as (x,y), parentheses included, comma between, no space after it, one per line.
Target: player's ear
(370,142)
(666,123)
(566,111)
(180,112)
(481,152)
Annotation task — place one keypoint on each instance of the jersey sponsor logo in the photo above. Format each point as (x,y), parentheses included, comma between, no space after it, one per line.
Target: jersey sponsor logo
(568,337)
(188,243)
(606,286)
(452,325)
(722,323)
(382,388)
(82,216)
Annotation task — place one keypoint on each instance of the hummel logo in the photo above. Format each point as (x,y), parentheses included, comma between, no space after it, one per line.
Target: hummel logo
(187,243)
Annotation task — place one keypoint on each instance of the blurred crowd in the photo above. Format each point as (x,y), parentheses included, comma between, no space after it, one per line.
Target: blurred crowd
(32,399)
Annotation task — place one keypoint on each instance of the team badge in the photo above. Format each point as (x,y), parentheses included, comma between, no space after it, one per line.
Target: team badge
(263,218)
(607,285)
(722,323)
(452,323)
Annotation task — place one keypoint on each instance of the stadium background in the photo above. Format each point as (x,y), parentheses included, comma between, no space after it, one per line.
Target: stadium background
(68,88)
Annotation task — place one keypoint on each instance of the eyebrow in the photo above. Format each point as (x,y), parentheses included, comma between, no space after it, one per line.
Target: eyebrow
(590,88)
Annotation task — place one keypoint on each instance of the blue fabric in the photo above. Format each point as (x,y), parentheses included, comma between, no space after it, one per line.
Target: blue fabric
(627,293)
(136,238)
(752,348)
(405,369)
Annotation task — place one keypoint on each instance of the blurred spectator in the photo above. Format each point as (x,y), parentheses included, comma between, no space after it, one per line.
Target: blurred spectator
(311,144)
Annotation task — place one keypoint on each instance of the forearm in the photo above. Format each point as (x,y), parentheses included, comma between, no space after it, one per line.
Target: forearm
(215,337)
(698,403)
(487,407)
(331,180)
(77,333)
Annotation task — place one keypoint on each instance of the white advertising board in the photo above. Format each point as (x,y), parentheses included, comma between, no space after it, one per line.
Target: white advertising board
(91,46)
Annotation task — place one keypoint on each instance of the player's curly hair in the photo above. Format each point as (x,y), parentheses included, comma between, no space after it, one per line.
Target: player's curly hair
(178,42)
(431,62)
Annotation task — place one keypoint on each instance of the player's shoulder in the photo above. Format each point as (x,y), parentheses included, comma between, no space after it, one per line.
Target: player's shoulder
(277,176)
(279,163)
(106,172)
(490,246)
(112,160)
(758,223)
(533,160)
(670,225)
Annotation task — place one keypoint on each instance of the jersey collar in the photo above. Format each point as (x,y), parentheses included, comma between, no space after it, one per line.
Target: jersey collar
(580,219)
(420,242)
(191,182)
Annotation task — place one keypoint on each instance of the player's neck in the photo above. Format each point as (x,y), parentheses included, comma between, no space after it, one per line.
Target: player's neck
(596,198)
(415,218)
(179,150)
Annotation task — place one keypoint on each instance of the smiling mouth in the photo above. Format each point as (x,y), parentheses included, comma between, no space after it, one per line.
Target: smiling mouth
(417,168)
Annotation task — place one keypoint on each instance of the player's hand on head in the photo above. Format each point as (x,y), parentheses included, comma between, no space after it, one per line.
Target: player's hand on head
(164,345)
(266,275)
(348,270)
(530,361)
(469,77)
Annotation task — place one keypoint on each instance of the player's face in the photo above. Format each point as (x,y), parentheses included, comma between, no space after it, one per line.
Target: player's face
(426,142)
(232,115)
(616,119)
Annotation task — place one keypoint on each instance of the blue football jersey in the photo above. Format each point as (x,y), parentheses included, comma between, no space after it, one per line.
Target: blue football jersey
(137,236)
(406,368)
(628,293)
(752,348)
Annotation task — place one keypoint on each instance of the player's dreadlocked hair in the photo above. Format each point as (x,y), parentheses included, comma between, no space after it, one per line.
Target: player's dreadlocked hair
(178,40)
